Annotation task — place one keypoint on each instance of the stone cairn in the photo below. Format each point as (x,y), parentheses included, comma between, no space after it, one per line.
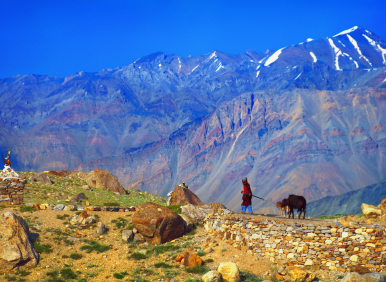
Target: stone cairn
(315,246)
(11,186)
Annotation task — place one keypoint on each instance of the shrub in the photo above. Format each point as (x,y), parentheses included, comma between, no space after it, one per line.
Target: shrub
(209,260)
(201,253)
(94,246)
(138,256)
(223,250)
(175,208)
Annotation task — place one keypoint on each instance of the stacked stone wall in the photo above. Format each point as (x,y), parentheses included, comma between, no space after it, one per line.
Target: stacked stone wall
(315,245)
(11,191)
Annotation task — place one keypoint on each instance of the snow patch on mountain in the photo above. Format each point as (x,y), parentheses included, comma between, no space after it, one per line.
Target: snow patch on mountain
(257,73)
(194,68)
(313,57)
(262,59)
(219,67)
(179,66)
(273,58)
(380,49)
(337,52)
(297,76)
(355,44)
(258,67)
(309,39)
(346,31)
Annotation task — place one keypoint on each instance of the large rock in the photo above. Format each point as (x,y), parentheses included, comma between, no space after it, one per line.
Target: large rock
(16,248)
(382,206)
(104,179)
(298,274)
(196,213)
(369,277)
(188,222)
(211,276)
(157,224)
(370,211)
(42,177)
(183,196)
(229,271)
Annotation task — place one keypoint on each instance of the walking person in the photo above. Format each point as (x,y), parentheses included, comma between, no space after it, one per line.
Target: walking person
(247,197)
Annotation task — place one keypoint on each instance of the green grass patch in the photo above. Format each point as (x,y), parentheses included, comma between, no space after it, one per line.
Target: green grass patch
(187,244)
(26,209)
(138,256)
(95,246)
(209,260)
(111,204)
(223,250)
(175,208)
(160,249)
(249,277)
(201,253)
(42,248)
(10,278)
(23,273)
(162,265)
(67,273)
(120,222)
(120,275)
(76,256)
(62,217)
(130,226)
(198,269)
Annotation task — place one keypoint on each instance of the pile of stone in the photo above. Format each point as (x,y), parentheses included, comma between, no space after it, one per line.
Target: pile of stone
(61,207)
(318,246)
(11,191)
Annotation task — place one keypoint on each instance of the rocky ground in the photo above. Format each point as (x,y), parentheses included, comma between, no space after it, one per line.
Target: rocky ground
(72,253)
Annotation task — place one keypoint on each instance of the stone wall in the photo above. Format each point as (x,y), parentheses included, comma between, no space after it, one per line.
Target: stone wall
(11,191)
(315,245)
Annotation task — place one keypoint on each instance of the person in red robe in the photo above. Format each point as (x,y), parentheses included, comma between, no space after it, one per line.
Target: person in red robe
(247,197)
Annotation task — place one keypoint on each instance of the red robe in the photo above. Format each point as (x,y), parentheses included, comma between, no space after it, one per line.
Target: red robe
(247,194)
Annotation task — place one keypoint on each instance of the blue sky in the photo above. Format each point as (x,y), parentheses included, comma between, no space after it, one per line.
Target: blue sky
(63,37)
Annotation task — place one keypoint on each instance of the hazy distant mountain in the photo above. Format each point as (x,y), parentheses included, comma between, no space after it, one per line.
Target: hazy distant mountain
(348,203)
(306,119)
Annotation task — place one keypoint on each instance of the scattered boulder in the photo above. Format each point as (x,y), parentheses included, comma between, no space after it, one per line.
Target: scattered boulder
(127,235)
(81,196)
(86,187)
(211,276)
(370,277)
(183,196)
(229,271)
(382,206)
(346,223)
(59,207)
(101,228)
(298,274)
(188,223)
(139,238)
(191,259)
(79,220)
(42,177)
(196,213)
(104,179)
(16,248)
(370,211)
(73,199)
(31,179)
(157,224)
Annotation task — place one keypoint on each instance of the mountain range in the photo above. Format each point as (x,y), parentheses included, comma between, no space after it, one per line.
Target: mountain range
(306,119)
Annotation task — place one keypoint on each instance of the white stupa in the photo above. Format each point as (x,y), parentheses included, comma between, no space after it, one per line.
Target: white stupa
(7,171)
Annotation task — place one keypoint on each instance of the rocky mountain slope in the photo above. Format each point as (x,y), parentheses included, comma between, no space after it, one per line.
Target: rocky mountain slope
(305,119)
